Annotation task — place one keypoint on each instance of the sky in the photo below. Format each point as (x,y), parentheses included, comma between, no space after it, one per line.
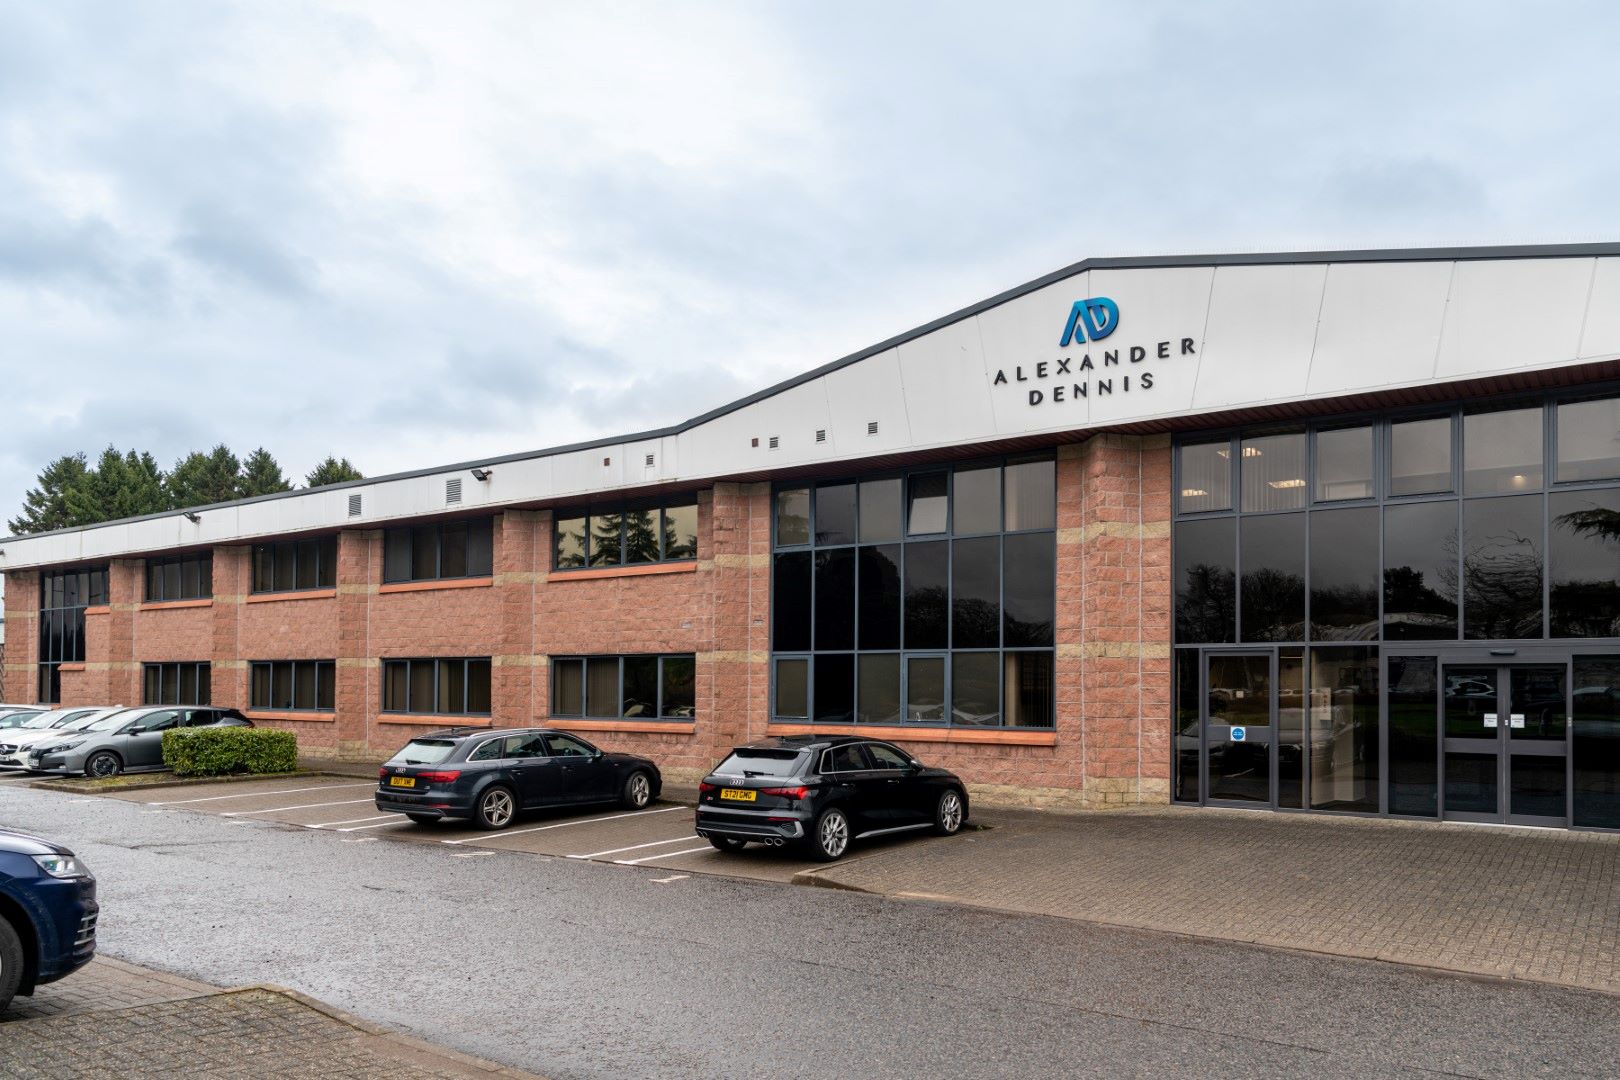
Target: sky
(418,233)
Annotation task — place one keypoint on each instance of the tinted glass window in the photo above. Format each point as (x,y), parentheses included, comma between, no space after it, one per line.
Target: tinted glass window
(680,687)
(835,599)
(1589,440)
(759,763)
(975,688)
(835,514)
(1291,728)
(879,696)
(925,689)
(424,752)
(1344,464)
(1273,577)
(1185,727)
(880,510)
(880,597)
(1502,451)
(1027,689)
(793,688)
(1414,704)
(791,602)
(570,543)
(1344,574)
(976,593)
(640,687)
(680,532)
(1420,571)
(976,501)
(1206,581)
(844,759)
(1206,477)
(452,686)
(606,539)
(1420,456)
(1595,749)
(1585,563)
(886,757)
(563,745)
(489,750)
(927,504)
(602,686)
(1343,720)
(641,536)
(927,573)
(568,688)
(1273,470)
(453,551)
(834,688)
(1029,587)
(1502,567)
(1031,495)
(793,516)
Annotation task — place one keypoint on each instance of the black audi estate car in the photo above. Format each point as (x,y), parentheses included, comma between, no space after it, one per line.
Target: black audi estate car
(821,793)
(489,777)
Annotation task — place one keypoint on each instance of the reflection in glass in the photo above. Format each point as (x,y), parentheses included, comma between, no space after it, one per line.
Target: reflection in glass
(1291,728)
(1595,743)
(1502,567)
(1186,726)
(791,602)
(680,531)
(793,688)
(1029,588)
(1536,786)
(1206,582)
(835,688)
(680,687)
(976,501)
(880,510)
(976,593)
(879,697)
(925,689)
(1344,574)
(1470,698)
(835,599)
(1031,495)
(1420,571)
(880,597)
(928,595)
(606,539)
(1420,456)
(1273,471)
(1027,689)
(1344,464)
(1273,577)
(1584,563)
(975,688)
(1239,695)
(1206,477)
(1414,709)
(641,537)
(792,517)
(1343,722)
(1502,451)
(640,694)
(1589,440)
(928,504)
(1471,784)
(835,514)
(1537,694)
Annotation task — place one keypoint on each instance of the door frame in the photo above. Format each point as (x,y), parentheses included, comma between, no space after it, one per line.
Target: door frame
(1204,724)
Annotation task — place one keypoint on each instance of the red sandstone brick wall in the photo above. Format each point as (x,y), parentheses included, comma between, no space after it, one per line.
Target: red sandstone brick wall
(1113,630)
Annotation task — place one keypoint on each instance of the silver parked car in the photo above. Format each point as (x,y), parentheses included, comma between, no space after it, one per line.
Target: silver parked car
(129,740)
(47,725)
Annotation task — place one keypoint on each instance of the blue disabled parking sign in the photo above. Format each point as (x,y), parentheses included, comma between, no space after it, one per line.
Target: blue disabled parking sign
(1239,734)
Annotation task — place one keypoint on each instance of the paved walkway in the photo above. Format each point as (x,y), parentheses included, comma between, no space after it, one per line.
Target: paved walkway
(1520,903)
(116,1020)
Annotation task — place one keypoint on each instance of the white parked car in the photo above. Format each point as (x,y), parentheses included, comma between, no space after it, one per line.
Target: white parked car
(45,725)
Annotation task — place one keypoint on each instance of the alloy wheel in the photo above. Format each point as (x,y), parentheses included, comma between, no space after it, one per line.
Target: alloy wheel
(950,812)
(103,766)
(497,808)
(640,790)
(834,834)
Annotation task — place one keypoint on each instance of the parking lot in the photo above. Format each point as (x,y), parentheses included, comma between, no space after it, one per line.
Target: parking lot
(657,838)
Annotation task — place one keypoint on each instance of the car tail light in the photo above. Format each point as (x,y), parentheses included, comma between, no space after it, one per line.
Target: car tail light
(438,777)
(382,773)
(786,792)
(706,788)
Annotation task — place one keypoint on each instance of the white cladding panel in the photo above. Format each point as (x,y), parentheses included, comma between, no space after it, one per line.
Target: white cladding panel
(1261,333)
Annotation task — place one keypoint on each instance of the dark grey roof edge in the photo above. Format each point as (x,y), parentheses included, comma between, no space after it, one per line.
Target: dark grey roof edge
(1132,262)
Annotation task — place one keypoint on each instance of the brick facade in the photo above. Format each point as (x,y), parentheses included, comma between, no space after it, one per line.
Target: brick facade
(1110,745)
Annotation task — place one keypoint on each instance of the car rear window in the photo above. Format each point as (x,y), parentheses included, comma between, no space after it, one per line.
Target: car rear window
(424,752)
(760,763)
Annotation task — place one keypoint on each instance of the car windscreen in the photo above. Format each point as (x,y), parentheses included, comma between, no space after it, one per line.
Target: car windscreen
(85,721)
(107,723)
(760,762)
(424,752)
(47,719)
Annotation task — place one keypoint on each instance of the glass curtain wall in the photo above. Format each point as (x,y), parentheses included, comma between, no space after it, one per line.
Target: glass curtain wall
(926,597)
(63,596)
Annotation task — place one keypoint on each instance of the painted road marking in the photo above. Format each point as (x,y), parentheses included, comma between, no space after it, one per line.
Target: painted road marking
(564,825)
(469,854)
(352,821)
(251,794)
(636,847)
(665,855)
(304,806)
(672,877)
(362,828)
(357,839)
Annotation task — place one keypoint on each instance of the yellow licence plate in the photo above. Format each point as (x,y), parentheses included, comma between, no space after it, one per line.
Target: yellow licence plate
(402,781)
(738,794)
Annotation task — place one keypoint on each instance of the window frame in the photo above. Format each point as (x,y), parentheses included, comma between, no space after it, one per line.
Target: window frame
(323,668)
(661,715)
(587,513)
(325,564)
(438,528)
(179,669)
(152,574)
(466,684)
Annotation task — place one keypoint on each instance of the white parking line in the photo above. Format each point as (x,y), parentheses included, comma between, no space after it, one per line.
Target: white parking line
(383,825)
(251,794)
(469,854)
(665,855)
(636,847)
(353,821)
(305,806)
(672,877)
(564,825)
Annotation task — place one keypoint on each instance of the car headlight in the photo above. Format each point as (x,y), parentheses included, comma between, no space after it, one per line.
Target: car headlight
(59,747)
(62,866)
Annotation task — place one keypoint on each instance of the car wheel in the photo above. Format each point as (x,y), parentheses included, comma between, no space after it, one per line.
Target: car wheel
(423,819)
(950,814)
(637,791)
(496,808)
(727,843)
(11,963)
(102,764)
(830,839)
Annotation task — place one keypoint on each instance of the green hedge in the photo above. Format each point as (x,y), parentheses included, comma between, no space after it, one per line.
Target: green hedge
(221,750)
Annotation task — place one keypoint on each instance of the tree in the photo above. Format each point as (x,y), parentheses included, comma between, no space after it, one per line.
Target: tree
(332,471)
(120,486)
(45,507)
(199,479)
(261,475)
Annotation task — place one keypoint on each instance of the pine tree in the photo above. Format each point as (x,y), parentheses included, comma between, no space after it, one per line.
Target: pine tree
(120,486)
(332,471)
(199,479)
(261,475)
(45,506)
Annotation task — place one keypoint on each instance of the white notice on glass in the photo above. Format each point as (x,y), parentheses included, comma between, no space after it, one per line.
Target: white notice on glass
(1516,720)
(1490,719)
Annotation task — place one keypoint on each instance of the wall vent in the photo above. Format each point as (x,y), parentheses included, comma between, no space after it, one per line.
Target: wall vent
(753,442)
(452,491)
(871,427)
(649,461)
(775,442)
(354,506)
(821,434)
(606,462)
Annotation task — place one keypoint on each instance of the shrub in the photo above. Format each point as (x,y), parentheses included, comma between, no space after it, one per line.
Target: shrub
(216,751)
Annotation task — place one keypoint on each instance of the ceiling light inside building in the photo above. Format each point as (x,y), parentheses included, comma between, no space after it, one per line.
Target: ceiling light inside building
(1295,482)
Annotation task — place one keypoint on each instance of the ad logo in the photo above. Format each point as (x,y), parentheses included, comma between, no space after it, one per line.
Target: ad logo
(1090,320)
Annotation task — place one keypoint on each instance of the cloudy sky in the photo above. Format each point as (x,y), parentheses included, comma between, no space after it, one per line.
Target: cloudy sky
(412,233)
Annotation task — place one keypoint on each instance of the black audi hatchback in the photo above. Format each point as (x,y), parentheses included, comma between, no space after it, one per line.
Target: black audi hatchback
(821,793)
(489,777)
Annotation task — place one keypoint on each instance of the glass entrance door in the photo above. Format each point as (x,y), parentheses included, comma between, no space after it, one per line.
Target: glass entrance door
(1506,743)
(1239,707)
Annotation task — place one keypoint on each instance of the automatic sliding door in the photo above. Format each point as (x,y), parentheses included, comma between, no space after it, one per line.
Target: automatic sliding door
(1238,727)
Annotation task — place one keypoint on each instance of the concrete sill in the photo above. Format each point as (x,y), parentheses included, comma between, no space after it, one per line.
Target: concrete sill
(981,736)
(309,717)
(447,583)
(300,594)
(99,609)
(433,721)
(597,574)
(660,727)
(165,605)
(70,667)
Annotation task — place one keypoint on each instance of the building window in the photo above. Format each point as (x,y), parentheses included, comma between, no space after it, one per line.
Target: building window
(292,565)
(455,549)
(301,685)
(927,597)
(624,687)
(437,686)
(176,684)
(627,535)
(180,577)
(63,596)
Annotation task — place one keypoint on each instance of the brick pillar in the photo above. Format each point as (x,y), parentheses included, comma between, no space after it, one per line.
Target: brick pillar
(118,654)
(19,681)
(733,679)
(1124,639)
(1069,666)
(228,670)
(519,688)
(358,696)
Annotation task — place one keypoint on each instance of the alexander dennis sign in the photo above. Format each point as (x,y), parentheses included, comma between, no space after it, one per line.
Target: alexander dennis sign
(1121,369)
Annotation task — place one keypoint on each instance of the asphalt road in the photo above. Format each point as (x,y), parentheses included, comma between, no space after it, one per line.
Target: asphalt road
(579,969)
